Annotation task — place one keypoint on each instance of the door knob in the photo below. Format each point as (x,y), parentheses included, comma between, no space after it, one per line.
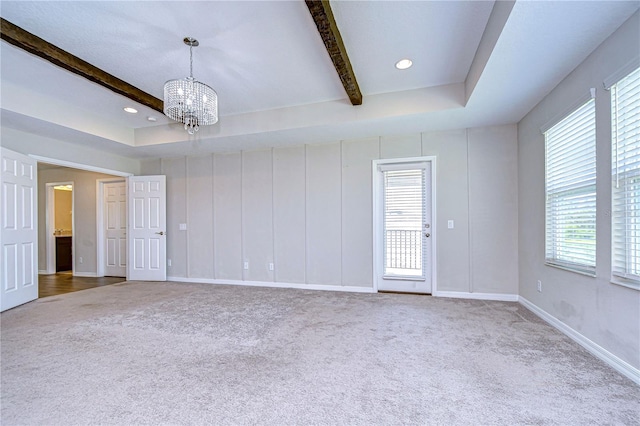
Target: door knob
(427,234)
(160,233)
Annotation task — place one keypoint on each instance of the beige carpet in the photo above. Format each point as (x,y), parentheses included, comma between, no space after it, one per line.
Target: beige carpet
(170,353)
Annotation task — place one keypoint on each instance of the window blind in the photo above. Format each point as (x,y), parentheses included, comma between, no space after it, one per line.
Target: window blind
(625,138)
(404,206)
(570,153)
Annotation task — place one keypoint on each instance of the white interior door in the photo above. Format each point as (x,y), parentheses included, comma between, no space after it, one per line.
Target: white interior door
(404,227)
(147,228)
(115,228)
(19,235)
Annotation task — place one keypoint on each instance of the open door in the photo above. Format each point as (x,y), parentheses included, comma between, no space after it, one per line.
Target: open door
(19,235)
(147,236)
(113,229)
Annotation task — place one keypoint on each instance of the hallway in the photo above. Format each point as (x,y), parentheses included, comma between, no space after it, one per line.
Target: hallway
(64,282)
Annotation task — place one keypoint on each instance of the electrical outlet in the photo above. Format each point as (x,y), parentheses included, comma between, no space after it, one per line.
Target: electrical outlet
(246,265)
(182,226)
(271,266)
(168,262)
(450,224)
(540,286)
(81,260)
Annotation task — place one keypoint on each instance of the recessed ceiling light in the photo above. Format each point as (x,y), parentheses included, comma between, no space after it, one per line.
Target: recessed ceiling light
(152,118)
(403,64)
(131,110)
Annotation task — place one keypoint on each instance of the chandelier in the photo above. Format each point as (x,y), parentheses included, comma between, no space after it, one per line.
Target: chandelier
(189,101)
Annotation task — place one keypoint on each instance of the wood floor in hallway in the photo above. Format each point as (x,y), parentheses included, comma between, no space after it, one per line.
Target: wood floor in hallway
(65,282)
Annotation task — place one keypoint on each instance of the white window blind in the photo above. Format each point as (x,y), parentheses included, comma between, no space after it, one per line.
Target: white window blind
(570,148)
(404,206)
(625,137)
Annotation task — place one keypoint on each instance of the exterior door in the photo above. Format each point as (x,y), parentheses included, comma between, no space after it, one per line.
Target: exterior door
(404,227)
(147,228)
(115,228)
(18,236)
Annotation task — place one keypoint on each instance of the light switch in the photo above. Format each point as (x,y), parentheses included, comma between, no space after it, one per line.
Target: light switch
(450,224)
(183,226)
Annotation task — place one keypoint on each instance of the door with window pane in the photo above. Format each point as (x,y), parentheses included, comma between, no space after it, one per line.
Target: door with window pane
(406,228)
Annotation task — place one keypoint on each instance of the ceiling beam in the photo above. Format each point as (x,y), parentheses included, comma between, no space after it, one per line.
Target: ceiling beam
(35,45)
(328,29)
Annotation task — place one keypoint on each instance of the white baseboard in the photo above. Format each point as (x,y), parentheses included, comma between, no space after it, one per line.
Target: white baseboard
(616,363)
(500,297)
(45,272)
(85,274)
(352,289)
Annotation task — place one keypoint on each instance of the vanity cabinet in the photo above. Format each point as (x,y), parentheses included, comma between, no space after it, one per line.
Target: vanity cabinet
(64,259)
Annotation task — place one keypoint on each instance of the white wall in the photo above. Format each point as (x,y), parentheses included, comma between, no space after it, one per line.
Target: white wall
(605,313)
(308,209)
(84,188)
(84,209)
(28,143)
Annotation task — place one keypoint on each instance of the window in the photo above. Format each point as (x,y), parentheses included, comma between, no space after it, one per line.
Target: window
(625,138)
(404,207)
(570,152)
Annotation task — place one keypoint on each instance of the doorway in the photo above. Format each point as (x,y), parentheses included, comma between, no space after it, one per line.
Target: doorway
(83,271)
(59,227)
(404,219)
(22,183)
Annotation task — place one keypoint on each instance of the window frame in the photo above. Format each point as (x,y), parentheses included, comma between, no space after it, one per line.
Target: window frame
(621,272)
(559,251)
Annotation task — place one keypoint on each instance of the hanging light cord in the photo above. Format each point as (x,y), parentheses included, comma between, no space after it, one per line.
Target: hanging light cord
(191,59)
(191,122)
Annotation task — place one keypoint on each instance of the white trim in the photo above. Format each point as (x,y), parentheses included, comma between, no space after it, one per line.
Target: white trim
(570,269)
(500,297)
(598,351)
(390,163)
(375,223)
(85,274)
(402,278)
(80,166)
(634,285)
(469,216)
(300,286)
(434,226)
(100,231)
(243,246)
(622,72)
(45,272)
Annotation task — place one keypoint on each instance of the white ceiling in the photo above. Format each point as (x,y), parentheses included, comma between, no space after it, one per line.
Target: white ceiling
(275,80)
